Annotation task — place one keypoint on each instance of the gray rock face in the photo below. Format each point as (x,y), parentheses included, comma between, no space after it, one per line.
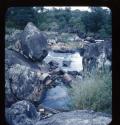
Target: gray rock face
(33,43)
(12,36)
(20,74)
(97,53)
(12,57)
(80,117)
(9,97)
(22,113)
(24,83)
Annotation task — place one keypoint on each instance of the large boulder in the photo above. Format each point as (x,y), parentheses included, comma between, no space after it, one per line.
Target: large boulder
(22,113)
(33,43)
(79,117)
(13,57)
(23,82)
(97,55)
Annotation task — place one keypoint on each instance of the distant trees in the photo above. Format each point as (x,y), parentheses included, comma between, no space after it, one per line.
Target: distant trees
(96,21)
(19,16)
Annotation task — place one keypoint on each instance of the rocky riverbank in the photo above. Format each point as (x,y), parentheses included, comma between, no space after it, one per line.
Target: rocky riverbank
(36,82)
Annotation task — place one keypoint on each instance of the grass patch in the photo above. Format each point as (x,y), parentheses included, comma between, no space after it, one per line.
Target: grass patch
(94,92)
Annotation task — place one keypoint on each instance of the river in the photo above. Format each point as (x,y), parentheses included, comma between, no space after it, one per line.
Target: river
(74,58)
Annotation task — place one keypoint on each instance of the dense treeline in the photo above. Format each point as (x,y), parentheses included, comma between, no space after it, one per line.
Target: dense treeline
(98,21)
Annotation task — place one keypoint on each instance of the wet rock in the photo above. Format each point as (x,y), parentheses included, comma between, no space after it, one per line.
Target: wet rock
(33,43)
(66,63)
(64,51)
(79,117)
(22,113)
(53,64)
(57,98)
(57,72)
(74,73)
(25,83)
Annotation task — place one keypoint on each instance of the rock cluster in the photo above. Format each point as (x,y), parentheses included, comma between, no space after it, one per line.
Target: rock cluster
(97,55)
(23,75)
(24,113)
(27,77)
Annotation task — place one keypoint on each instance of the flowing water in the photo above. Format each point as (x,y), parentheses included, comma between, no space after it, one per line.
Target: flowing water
(58,98)
(75,59)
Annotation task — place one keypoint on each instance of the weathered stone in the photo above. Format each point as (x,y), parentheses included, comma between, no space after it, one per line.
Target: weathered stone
(25,83)
(22,113)
(97,55)
(79,117)
(12,57)
(12,35)
(53,64)
(33,43)
(64,51)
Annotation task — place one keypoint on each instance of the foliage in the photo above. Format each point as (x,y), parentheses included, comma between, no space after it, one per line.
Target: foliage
(97,20)
(19,16)
(67,20)
(93,92)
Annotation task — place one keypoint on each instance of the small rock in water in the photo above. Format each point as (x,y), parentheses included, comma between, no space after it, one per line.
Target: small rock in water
(66,63)
(53,64)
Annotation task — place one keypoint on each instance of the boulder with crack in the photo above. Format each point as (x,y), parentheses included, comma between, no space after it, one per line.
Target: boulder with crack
(33,43)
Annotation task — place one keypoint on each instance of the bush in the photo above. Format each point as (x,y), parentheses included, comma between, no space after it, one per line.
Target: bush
(94,92)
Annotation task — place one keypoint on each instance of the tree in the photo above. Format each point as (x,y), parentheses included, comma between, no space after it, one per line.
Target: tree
(85,18)
(93,21)
(20,16)
(96,18)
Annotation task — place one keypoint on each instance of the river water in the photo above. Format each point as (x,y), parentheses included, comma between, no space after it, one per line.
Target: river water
(74,58)
(58,98)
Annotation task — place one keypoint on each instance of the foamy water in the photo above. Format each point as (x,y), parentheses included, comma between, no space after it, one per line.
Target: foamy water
(76,60)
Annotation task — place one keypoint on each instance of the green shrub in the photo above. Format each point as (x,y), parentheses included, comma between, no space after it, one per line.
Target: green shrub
(94,92)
